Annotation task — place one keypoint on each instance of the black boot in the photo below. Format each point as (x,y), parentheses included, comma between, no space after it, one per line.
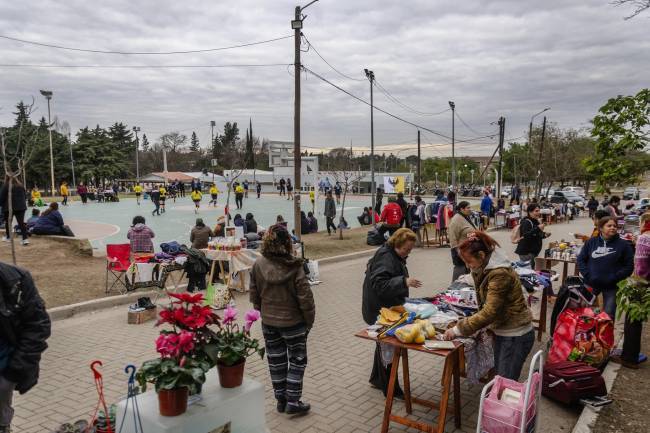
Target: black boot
(297,407)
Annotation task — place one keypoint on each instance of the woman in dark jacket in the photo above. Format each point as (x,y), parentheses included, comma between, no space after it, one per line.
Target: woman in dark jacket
(592,205)
(51,223)
(304,223)
(279,289)
(250,225)
(604,261)
(18,204)
(387,284)
(532,234)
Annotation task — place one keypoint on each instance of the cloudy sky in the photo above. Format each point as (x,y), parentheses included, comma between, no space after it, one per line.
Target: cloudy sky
(493,58)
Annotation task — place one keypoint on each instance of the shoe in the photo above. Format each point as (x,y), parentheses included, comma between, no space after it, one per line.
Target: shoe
(5,239)
(25,242)
(5,429)
(624,363)
(281,406)
(298,407)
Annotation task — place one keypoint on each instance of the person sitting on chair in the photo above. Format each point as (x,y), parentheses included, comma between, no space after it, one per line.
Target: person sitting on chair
(51,223)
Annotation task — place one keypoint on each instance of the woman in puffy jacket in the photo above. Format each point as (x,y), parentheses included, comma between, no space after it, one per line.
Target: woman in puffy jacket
(604,261)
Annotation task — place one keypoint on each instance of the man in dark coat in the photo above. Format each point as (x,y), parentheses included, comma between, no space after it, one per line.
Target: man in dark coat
(403,205)
(24,327)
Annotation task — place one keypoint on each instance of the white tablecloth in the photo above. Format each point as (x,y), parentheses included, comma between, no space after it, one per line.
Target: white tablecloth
(240,260)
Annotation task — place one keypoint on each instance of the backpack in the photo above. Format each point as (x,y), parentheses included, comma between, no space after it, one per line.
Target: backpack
(375,238)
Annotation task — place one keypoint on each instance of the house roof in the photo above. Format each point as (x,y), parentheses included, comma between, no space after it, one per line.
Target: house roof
(173,175)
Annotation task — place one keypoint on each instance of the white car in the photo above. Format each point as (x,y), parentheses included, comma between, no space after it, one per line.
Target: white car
(577,189)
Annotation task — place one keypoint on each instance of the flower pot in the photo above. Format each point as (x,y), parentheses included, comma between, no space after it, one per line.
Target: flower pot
(231,376)
(172,402)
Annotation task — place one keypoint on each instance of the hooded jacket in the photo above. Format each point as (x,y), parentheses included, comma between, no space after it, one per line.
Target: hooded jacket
(604,263)
(280,291)
(502,306)
(140,236)
(531,237)
(24,326)
(384,284)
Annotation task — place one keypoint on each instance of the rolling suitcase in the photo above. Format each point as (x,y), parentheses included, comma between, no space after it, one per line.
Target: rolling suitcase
(568,382)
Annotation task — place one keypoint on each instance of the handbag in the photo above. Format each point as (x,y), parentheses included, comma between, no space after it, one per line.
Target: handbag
(218,295)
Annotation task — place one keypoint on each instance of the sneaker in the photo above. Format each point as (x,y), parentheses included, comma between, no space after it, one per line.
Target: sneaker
(281,406)
(5,239)
(25,242)
(297,407)
(5,429)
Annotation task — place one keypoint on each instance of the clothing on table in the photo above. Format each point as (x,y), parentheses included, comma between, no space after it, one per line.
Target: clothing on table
(603,263)
(286,352)
(143,272)
(140,236)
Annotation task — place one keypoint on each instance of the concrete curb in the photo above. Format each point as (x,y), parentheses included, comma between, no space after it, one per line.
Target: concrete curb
(67,311)
(589,415)
(343,257)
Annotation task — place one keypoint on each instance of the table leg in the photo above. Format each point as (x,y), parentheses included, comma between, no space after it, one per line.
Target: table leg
(446,384)
(391,390)
(565,271)
(542,315)
(407,382)
(457,367)
(212,266)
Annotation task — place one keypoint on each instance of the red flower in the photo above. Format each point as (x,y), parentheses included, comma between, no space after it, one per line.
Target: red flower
(187,297)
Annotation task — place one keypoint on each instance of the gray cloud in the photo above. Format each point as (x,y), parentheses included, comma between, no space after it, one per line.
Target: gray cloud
(505,57)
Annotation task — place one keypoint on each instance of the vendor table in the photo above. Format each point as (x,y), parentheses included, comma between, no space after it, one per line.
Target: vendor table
(452,370)
(238,261)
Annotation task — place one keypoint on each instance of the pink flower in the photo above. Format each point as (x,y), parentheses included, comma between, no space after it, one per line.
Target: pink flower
(166,344)
(185,342)
(229,315)
(251,317)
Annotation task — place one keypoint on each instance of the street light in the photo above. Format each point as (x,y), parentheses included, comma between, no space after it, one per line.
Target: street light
(530,127)
(452,105)
(530,142)
(136,129)
(472,171)
(436,179)
(371,77)
(48,96)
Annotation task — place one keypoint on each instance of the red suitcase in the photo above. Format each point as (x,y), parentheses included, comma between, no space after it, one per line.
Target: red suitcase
(569,381)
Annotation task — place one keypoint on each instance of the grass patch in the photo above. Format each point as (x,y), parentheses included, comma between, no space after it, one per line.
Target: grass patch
(319,245)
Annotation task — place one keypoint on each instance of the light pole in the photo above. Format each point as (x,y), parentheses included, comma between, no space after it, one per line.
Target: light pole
(530,142)
(447,179)
(74,180)
(296,25)
(48,96)
(136,129)
(452,105)
(436,179)
(371,77)
(472,172)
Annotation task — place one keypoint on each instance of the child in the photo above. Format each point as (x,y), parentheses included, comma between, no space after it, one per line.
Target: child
(31,222)
(258,187)
(312,199)
(138,192)
(64,193)
(36,197)
(214,192)
(163,195)
(196,198)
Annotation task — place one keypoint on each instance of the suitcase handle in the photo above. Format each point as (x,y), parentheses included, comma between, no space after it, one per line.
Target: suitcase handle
(556,383)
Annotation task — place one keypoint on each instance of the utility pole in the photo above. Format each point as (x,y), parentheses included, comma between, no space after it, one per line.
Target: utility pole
(419,164)
(502,129)
(136,129)
(371,77)
(452,105)
(74,180)
(48,96)
(530,142)
(212,125)
(296,25)
(539,163)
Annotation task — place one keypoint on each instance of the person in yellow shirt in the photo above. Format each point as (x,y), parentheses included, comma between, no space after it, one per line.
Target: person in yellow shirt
(196,197)
(214,192)
(36,197)
(312,199)
(239,196)
(64,193)
(137,189)
(163,195)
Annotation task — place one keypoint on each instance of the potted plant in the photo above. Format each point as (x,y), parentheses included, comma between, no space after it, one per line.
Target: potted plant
(180,369)
(633,299)
(233,346)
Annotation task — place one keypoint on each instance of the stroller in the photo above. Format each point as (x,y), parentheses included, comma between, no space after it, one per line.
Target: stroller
(508,406)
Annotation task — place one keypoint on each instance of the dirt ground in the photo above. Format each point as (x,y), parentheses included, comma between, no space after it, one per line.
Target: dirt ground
(319,245)
(631,394)
(62,275)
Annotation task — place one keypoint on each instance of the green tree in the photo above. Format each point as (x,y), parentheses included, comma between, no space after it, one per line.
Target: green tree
(620,129)
(194,143)
(145,143)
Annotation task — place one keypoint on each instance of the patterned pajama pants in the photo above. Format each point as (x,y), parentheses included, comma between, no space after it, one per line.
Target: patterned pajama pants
(286,353)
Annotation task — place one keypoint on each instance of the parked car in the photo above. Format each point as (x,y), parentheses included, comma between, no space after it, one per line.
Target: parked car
(642,206)
(631,193)
(577,189)
(550,193)
(567,197)
(506,191)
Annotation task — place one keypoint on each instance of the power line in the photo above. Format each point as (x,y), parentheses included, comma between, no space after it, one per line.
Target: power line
(466,125)
(145,66)
(329,64)
(375,107)
(404,106)
(206,50)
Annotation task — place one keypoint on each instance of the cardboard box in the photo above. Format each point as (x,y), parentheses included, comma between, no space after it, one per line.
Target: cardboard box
(140,317)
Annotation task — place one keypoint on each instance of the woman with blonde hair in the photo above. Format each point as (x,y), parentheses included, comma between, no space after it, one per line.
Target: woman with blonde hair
(387,284)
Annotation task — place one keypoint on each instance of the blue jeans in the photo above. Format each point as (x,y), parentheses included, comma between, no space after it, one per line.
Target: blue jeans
(609,302)
(510,354)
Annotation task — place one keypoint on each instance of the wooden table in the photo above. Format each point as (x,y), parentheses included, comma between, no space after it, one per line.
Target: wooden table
(451,371)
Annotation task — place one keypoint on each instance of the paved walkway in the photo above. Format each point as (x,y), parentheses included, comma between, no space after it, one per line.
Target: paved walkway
(336,379)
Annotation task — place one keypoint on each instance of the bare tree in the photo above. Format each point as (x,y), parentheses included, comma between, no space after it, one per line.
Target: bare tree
(14,160)
(236,167)
(346,178)
(638,5)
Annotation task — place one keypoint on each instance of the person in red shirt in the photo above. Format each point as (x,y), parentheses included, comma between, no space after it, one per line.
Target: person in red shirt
(391,216)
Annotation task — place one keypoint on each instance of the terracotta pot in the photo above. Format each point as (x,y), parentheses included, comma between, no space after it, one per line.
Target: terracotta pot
(231,376)
(172,402)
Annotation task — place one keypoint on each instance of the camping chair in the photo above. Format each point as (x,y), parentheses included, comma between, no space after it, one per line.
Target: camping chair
(118,261)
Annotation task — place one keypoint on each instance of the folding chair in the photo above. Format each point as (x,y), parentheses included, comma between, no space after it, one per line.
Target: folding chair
(118,261)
